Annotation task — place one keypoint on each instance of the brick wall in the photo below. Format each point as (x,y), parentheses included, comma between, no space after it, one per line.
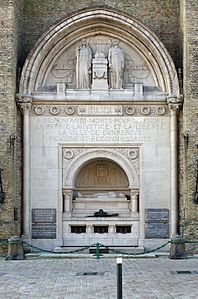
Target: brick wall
(10,34)
(190,113)
(162,17)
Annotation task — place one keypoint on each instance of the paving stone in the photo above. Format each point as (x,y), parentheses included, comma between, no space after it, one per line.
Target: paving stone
(142,279)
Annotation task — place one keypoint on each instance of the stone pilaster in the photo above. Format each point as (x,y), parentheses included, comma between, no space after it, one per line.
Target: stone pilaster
(174,104)
(68,202)
(134,202)
(25,104)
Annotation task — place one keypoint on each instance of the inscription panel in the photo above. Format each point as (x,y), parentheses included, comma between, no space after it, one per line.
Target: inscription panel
(50,130)
(157,223)
(157,215)
(156,230)
(43,223)
(99,110)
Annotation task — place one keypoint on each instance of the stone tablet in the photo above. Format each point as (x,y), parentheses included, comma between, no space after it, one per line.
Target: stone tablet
(156,230)
(43,215)
(43,223)
(157,223)
(157,215)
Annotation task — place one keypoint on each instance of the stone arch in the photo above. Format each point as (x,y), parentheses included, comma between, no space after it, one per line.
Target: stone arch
(98,20)
(72,170)
(100,174)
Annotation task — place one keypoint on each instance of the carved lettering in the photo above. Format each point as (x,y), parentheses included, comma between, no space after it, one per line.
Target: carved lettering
(95,129)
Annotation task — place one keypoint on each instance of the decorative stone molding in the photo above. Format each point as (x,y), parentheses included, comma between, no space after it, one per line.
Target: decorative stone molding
(102,110)
(130,110)
(75,157)
(24,103)
(174,102)
(54,110)
(39,110)
(133,154)
(70,110)
(68,154)
(145,110)
(161,110)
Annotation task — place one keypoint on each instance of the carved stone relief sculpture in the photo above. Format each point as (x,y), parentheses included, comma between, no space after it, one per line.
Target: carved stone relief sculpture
(83,68)
(116,65)
(97,67)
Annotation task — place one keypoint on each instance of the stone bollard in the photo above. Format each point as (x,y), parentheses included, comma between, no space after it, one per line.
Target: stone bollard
(177,248)
(15,249)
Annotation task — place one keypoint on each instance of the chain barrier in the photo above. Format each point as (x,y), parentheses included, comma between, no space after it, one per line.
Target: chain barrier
(50,251)
(3,242)
(98,246)
(137,253)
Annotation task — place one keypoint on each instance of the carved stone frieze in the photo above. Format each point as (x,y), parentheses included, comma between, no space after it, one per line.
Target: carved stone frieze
(103,110)
(100,63)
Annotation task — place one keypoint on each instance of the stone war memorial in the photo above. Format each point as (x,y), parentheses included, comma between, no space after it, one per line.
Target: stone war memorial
(98,122)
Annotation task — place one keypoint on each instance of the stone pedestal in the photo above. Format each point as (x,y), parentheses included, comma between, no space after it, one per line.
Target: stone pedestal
(99,72)
(15,249)
(177,248)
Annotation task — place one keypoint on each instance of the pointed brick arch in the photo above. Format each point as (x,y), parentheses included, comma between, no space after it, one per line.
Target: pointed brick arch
(87,22)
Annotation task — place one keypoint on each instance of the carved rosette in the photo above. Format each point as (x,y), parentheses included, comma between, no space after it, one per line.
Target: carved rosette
(99,110)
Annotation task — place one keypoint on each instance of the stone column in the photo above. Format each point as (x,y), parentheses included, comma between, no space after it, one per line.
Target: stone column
(25,104)
(112,229)
(134,201)
(68,202)
(89,229)
(174,104)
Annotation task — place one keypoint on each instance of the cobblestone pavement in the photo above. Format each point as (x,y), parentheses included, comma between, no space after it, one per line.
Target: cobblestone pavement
(57,279)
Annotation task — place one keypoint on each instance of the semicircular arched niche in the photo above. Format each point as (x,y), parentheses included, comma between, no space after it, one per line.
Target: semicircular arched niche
(53,57)
(129,173)
(101,174)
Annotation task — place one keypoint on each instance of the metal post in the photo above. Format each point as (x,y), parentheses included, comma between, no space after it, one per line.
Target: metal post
(97,251)
(119,278)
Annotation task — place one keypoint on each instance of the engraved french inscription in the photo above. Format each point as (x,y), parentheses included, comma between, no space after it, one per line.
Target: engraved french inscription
(43,223)
(156,230)
(101,130)
(157,223)
(157,215)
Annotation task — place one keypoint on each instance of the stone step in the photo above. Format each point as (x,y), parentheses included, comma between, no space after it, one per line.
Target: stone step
(102,250)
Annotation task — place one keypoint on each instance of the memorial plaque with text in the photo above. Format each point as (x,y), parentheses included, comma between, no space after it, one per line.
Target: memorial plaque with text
(157,223)
(43,223)
(157,215)
(156,230)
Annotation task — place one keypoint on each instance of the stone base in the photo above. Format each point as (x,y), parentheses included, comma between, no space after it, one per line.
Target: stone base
(15,249)
(177,248)
(121,249)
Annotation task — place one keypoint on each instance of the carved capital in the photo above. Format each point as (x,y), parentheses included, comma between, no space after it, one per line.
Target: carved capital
(175,102)
(23,102)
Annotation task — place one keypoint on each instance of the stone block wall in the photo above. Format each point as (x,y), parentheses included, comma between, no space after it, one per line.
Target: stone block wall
(10,38)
